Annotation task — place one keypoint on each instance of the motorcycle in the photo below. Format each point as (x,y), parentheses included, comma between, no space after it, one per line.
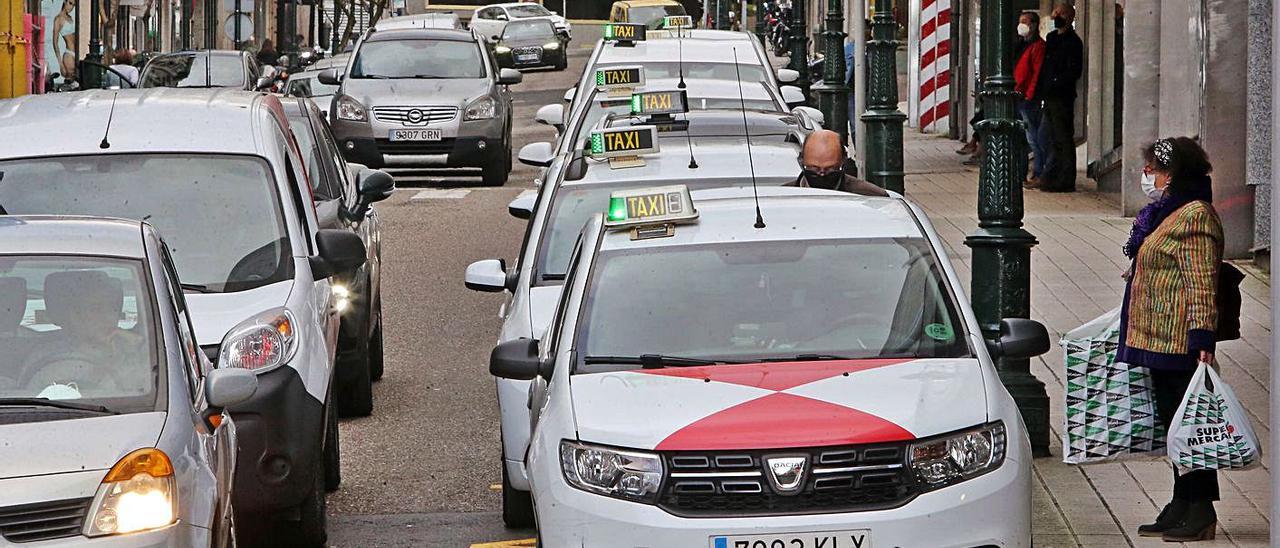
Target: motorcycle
(780,36)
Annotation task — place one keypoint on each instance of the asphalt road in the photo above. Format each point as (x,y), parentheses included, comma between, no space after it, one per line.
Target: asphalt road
(423,470)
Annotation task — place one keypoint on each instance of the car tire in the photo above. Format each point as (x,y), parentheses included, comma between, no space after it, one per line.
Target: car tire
(563,63)
(495,173)
(310,529)
(355,397)
(517,506)
(332,454)
(377,362)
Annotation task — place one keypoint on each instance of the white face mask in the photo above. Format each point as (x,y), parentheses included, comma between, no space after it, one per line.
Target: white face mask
(1024,30)
(1149,187)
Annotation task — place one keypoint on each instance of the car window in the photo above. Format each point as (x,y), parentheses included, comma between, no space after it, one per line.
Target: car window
(527,10)
(309,87)
(864,298)
(301,128)
(418,59)
(186,334)
(329,146)
(652,16)
(540,29)
(79,329)
(194,71)
(557,322)
(221,215)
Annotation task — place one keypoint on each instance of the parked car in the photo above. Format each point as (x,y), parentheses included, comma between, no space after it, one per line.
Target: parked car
(204,69)
(531,43)
(489,20)
(436,20)
(115,425)
(306,84)
(650,13)
(424,98)
(343,194)
(218,173)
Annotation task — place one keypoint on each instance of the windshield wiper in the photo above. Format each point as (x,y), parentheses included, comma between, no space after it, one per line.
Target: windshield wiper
(59,404)
(198,288)
(654,361)
(807,358)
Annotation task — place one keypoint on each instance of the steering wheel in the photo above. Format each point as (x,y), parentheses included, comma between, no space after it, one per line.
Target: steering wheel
(72,366)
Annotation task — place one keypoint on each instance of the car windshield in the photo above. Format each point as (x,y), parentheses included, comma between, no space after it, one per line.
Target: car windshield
(652,16)
(527,10)
(309,86)
(220,215)
(418,59)
(753,301)
(529,30)
(194,71)
(78,330)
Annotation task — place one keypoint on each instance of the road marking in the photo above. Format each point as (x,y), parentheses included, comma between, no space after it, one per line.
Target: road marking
(440,194)
(495,487)
(528,542)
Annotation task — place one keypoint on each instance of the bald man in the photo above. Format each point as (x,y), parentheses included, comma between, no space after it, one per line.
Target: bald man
(1062,67)
(822,165)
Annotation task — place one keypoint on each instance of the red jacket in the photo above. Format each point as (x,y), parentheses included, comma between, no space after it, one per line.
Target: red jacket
(1027,71)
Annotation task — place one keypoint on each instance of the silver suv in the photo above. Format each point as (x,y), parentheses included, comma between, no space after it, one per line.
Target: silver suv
(424,98)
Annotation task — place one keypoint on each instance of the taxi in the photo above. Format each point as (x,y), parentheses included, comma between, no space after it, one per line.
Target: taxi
(645,13)
(787,367)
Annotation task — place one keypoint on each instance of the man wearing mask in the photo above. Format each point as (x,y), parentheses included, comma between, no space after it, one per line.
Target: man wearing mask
(1029,58)
(822,165)
(1063,63)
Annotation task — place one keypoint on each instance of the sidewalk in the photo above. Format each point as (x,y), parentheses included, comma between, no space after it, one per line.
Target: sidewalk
(1075,277)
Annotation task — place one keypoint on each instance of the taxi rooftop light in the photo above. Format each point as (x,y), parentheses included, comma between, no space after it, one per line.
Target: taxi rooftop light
(677,21)
(624,33)
(649,206)
(623,142)
(628,77)
(652,103)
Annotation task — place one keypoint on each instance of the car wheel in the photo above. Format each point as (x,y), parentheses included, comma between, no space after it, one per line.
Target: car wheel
(563,63)
(517,506)
(310,529)
(495,173)
(376,362)
(332,453)
(355,397)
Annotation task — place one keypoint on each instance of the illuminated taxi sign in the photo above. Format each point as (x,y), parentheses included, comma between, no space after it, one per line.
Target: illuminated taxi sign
(677,21)
(624,32)
(624,142)
(619,77)
(650,206)
(659,102)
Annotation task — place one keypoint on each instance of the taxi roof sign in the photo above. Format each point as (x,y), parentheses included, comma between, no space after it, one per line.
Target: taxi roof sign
(660,102)
(628,77)
(677,21)
(623,142)
(651,205)
(624,32)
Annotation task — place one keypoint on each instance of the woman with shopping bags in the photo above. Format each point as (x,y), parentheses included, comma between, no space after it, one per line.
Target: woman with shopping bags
(1169,315)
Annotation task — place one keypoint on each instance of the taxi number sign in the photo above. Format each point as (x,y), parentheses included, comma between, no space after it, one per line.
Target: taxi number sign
(622,32)
(660,102)
(619,77)
(631,141)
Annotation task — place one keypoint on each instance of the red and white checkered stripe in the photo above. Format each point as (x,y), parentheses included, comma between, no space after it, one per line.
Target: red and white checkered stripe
(935,64)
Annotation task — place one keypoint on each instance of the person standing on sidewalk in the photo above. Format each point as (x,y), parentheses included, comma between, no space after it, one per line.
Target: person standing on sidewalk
(1063,64)
(1026,74)
(1169,319)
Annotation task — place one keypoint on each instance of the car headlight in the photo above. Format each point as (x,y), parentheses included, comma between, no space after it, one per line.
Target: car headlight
(261,343)
(502,49)
(341,297)
(351,110)
(620,474)
(481,109)
(137,494)
(551,45)
(953,458)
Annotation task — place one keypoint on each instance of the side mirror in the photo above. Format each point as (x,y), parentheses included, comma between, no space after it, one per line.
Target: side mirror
(263,83)
(792,96)
(329,77)
(509,76)
(375,185)
(337,251)
(495,38)
(522,206)
(539,154)
(228,387)
(814,115)
(787,76)
(569,94)
(517,360)
(489,276)
(551,115)
(1020,338)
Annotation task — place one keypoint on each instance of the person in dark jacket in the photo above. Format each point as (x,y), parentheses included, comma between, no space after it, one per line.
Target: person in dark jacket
(823,165)
(267,55)
(1056,87)
(1169,318)
(1029,57)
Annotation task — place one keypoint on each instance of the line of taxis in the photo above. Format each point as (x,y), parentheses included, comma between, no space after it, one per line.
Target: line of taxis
(699,350)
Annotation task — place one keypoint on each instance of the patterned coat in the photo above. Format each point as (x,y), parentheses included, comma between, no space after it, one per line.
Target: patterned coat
(1172,306)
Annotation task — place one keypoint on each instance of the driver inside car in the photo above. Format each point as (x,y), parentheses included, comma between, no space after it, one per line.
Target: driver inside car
(90,352)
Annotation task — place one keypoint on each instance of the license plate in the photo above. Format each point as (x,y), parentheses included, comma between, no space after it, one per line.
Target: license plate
(527,58)
(858,538)
(416,135)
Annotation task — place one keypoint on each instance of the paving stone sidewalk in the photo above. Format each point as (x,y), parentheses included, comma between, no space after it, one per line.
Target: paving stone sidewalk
(1076,277)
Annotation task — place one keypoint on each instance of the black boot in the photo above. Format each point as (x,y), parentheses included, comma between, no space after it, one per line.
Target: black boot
(1199,523)
(1169,518)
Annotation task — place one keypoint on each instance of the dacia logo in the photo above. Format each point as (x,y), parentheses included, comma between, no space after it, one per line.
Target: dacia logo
(786,474)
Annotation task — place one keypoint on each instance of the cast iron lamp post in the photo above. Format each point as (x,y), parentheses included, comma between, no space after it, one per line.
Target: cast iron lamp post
(833,94)
(884,121)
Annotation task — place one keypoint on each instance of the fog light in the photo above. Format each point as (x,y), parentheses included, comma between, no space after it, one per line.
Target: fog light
(481,144)
(351,145)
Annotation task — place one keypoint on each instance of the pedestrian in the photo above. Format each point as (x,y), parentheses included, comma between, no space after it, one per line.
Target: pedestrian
(267,55)
(1169,318)
(1063,63)
(1026,73)
(823,165)
(122,65)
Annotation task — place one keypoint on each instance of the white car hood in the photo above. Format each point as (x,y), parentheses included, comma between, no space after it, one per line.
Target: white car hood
(542,307)
(779,405)
(74,445)
(213,314)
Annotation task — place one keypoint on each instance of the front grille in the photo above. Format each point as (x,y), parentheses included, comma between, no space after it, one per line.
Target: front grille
(43,520)
(426,115)
(838,479)
(386,146)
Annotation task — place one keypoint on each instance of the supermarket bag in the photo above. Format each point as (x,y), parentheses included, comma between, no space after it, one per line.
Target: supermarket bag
(1211,430)
(1110,407)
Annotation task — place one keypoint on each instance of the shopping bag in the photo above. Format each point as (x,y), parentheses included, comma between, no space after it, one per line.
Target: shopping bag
(1211,430)
(1110,407)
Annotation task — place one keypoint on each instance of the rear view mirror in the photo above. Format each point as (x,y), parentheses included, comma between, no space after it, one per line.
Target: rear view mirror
(517,360)
(228,387)
(539,154)
(263,83)
(508,77)
(489,276)
(814,115)
(522,206)
(376,185)
(569,93)
(1020,338)
(337,251)
(551,115)
(792,96)
(329,77)
(787,76)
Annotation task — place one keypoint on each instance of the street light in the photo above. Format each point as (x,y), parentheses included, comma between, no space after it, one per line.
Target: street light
(91,73)
(883,119)
(1001,280)
(833,94)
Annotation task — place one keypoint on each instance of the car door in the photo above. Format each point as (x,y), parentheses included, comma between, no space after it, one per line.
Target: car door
(561,330)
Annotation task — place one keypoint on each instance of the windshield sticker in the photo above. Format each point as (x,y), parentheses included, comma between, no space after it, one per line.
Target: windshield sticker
(939,332)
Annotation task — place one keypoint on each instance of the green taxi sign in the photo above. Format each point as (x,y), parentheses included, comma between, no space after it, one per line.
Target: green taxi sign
(623,142)
(624,32)
(659,102)
(619,77)
(651,205)
(677,21)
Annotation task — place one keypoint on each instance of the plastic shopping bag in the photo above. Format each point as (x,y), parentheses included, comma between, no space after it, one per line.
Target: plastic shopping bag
(1211,430)
(1110,407)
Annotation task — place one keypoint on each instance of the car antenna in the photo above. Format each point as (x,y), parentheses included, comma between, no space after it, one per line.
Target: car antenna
(680,58)
(746,128)
(110,114)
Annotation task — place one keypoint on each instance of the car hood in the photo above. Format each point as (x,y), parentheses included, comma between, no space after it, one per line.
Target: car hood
(415,92)
(528,42)
(74,445)
(779,405)
(213,314)
(542,307)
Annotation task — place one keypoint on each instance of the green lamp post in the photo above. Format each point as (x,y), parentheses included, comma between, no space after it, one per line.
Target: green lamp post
(799,45)
(883,119)
(1001,283)
(833,93)
(91,70)
(760,29)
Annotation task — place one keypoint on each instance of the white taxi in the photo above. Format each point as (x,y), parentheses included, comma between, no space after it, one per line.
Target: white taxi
(804,372)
